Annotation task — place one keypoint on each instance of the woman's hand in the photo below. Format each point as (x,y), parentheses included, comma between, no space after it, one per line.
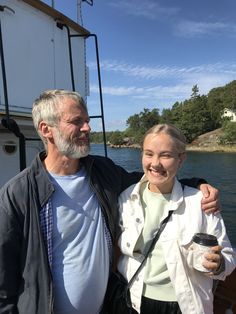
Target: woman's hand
(213,260)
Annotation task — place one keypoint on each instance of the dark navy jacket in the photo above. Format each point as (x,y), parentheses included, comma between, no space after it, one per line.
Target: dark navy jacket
(25,277)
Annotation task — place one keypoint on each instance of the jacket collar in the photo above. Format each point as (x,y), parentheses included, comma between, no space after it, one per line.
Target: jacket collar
(177,194)
(41,178)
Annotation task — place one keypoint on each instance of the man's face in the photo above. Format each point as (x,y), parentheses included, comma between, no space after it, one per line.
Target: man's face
(71,135)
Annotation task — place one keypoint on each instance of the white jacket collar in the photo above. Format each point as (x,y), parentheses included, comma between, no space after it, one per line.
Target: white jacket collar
(176,195)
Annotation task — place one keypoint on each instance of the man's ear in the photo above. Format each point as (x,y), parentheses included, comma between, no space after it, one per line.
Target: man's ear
(45,130)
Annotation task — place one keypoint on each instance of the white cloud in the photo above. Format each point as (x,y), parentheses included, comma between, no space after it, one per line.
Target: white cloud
(152,10)
(162,95)
(166,94)
(148,9)
(187,28)
(158,71)
(116,90)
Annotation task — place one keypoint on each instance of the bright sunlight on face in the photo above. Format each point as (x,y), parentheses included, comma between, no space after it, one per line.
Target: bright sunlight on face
(161,161)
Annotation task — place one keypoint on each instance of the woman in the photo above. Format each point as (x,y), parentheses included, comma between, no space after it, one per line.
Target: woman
(168,283)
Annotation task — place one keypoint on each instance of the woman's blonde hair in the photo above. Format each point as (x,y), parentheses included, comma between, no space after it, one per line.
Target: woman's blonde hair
(171,130)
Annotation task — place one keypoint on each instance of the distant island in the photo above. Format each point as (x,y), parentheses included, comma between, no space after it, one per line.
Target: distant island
(207,121)
(208,142)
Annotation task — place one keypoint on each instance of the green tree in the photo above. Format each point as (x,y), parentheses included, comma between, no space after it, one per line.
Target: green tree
(177,112)
(229,95)
(193,117)
(116,138)
(195,92)
(229,136)
(216,105)
(220,98)
(166,116)
(138,124)
(96,137)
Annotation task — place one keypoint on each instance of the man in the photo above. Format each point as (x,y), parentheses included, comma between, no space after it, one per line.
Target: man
(58,217)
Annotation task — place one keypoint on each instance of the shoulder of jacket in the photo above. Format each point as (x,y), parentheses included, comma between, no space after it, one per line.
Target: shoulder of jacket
(97,160)
(20,182)
(16,181)
(132,192)
(192,200)
(192,193)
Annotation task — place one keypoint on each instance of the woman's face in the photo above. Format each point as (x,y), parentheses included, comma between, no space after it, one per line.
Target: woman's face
(161,161)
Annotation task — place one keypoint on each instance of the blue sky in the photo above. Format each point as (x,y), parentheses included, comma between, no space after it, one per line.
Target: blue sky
(152,52)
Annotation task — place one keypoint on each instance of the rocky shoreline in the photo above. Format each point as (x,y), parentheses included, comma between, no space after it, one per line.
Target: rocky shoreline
(209,142)
(213,148)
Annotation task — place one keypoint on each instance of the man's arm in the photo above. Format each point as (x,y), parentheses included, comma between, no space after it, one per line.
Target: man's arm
(9,263)
(210,201)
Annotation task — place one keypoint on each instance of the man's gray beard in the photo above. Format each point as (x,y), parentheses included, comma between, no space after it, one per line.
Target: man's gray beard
(71,150)
(77,152)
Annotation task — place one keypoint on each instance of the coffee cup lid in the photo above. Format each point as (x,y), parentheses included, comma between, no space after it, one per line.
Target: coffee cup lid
(205,239)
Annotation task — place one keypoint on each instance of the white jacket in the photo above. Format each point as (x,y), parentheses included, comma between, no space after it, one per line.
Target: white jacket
(193,289)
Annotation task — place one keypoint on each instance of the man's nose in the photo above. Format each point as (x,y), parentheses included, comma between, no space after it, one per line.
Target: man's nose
(85,127)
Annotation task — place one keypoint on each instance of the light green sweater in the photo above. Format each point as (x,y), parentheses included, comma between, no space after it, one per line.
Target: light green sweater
(157,283)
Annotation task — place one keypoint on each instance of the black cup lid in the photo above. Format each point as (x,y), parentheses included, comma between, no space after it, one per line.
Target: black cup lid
(205,239)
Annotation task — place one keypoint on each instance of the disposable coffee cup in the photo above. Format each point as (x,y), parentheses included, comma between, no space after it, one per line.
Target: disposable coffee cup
(202,243)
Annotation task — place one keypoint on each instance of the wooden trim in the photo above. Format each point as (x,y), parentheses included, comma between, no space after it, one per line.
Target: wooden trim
(56,15)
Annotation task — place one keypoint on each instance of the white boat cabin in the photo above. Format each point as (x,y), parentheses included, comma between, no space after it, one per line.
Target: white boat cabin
(40,49)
